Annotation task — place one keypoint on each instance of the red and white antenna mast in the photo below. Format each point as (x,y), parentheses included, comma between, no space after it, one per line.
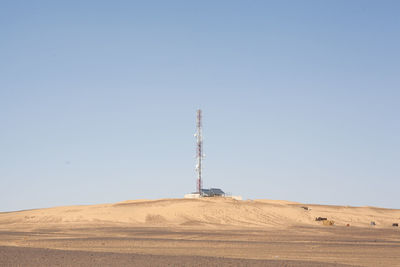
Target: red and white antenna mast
(199,152)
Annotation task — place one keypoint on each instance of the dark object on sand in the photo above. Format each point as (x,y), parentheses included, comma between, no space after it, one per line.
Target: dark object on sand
(395,225)
(306,208)
(320,219)
(348,225)
(373,223)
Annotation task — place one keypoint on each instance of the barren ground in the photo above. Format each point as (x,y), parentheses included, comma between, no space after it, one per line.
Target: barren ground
(199,232)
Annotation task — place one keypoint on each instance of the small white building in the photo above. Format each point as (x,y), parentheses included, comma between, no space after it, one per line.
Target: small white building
(193,195)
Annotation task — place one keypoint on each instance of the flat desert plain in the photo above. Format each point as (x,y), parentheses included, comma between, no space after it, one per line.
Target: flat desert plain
(200,232)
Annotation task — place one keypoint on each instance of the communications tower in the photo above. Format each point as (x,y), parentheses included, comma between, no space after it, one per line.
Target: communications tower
(199,152)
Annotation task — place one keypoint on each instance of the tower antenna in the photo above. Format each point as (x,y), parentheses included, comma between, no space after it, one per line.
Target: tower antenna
(199,152)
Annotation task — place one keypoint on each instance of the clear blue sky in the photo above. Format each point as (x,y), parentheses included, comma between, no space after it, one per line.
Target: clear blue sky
(98,100)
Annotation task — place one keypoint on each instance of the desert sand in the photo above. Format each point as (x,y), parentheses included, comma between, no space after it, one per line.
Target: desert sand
(198,232)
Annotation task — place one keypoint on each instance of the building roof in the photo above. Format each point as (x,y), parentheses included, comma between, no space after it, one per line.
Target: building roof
(213,192)
(205,191)
(217,191)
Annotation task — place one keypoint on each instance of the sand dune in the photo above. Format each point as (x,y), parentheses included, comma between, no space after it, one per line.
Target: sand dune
(206,212)
(194,232)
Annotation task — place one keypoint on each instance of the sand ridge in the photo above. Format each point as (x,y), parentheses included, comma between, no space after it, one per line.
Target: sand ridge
(205,212)
(195,232)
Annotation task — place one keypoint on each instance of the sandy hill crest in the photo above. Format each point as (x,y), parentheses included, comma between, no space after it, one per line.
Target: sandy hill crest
(206,212)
